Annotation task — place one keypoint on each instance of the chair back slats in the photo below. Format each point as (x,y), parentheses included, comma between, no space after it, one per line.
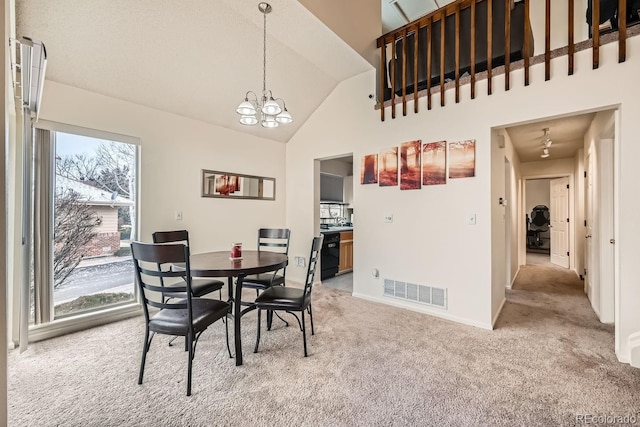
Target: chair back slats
(313,263)
(274,238)
(171,236)
(154,256)
(159,254)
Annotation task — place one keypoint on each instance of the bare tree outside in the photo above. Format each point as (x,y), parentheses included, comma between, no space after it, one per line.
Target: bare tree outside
(75,225)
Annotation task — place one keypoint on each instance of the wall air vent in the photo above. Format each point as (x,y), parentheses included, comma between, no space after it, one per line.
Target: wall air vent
(428,295)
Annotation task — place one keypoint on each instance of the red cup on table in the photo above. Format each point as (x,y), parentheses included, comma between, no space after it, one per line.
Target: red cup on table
(236,251)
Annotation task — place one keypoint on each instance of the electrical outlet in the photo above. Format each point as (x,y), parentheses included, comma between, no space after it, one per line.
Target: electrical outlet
(178,215)
(300,261)
(388,218)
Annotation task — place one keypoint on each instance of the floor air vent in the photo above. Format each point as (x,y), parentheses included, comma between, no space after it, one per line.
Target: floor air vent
(429,295)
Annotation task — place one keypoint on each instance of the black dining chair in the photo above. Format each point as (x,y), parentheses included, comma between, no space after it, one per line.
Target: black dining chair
(290,299)
(181,314)
(273,240)
(200,287)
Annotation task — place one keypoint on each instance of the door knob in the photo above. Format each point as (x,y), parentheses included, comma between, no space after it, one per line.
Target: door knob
(587,236)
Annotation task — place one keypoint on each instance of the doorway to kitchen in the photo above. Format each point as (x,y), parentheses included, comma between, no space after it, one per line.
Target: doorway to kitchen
(336,217)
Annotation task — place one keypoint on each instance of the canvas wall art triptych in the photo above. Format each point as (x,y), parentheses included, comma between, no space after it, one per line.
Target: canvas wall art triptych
(416,164)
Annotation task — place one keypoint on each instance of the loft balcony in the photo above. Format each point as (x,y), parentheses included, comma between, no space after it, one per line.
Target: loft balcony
(472,40)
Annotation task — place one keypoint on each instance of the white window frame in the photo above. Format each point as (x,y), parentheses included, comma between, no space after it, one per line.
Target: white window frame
(90,319)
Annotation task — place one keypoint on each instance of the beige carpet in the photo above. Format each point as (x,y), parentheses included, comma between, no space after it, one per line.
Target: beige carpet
(369,365)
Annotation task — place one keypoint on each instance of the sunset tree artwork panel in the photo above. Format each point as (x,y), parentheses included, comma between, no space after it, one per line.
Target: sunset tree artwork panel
(388,175)
(369,169)
(410,165)
(434,163)
(462,159)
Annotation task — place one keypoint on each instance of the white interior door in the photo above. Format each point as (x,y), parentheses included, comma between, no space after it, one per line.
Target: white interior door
(559,212)
(588,249)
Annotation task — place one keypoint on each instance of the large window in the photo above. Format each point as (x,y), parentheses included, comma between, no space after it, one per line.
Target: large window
(84,218)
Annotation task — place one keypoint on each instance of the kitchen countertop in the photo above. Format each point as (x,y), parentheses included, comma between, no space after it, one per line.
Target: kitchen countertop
(335,230)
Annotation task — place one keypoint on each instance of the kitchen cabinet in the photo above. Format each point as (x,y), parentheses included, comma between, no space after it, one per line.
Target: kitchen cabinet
(348,190)
(346,251)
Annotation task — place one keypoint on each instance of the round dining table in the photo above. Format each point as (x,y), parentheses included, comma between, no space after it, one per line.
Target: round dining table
(219,264)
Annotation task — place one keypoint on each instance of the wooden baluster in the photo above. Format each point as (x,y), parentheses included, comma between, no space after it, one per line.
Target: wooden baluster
(507,44)
(489,45)
(404,72)
(527,41)
(383,78)
(473,49)
(457,52)
(622,30)
(547,41)
(595,25)
(572,46)
(442,57)
(416,54)
(393,77)
(429,61)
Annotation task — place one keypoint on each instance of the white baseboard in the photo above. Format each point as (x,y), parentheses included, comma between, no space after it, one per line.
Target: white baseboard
(495,318)
(634,350)
(514,280)
(425,310)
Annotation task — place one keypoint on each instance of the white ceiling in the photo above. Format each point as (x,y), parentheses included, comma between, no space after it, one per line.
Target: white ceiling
(567,134)
(196,59)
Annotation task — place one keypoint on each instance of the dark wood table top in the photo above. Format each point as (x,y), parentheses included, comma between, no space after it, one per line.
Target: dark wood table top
(218,264)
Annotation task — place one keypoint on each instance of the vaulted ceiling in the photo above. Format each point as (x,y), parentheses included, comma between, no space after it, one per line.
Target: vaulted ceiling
(196,59)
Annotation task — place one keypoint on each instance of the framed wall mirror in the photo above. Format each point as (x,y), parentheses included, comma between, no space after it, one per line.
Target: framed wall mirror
(230,185)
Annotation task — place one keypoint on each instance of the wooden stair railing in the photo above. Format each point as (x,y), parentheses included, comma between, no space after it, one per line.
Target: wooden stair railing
(429,21)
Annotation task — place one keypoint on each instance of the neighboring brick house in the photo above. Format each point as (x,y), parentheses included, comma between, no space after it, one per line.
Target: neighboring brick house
(105,206)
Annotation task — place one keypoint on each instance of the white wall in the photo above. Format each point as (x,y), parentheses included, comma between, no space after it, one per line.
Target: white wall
(173,152)
(4,113)
(538,193)
(514,208)
(559,18)
(429,241)
(499,240)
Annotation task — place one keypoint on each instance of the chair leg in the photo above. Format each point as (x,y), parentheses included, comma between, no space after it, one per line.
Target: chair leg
(189,340)
(311,317)
(255,350)
(226,334)
(145,349)
(269,319)
(280,317)
(304,334)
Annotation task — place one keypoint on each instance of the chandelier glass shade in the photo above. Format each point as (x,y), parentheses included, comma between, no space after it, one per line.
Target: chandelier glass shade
(270,112)
(546,143)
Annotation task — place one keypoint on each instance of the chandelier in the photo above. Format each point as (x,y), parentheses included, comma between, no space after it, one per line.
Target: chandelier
(264,109)
(546,143)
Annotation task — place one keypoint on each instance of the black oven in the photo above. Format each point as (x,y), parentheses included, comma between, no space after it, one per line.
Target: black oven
(330,255)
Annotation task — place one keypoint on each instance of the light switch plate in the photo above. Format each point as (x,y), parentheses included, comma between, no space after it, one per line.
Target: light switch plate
(178,215)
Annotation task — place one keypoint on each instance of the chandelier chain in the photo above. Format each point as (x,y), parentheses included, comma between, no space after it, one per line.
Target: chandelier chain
(264,53)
